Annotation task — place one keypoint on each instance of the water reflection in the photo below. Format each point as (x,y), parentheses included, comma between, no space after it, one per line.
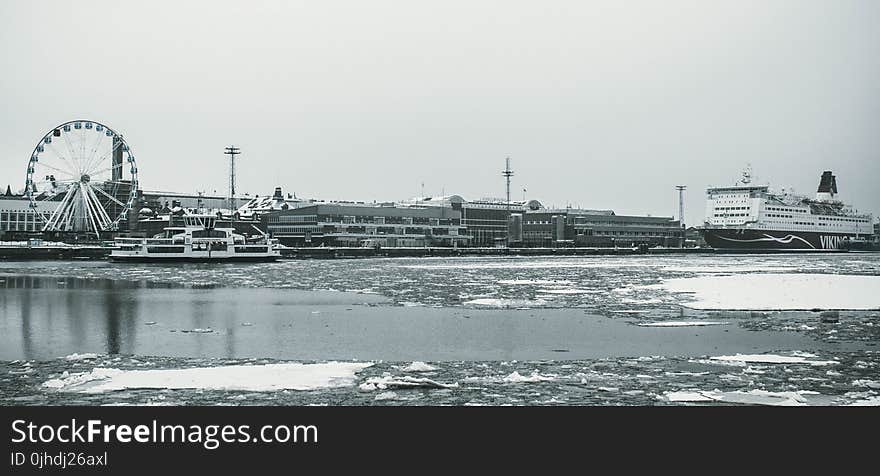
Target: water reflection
(60,314)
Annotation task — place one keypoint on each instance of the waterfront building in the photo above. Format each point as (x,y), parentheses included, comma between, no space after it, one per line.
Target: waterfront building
(487,220)
(18,218)
(358,224)
(600,228)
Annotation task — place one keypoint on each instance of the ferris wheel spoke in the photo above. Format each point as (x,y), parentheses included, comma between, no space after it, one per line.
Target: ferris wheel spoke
(64,159)
(91,208)
(90,163)
(100,211)
(59,210)
(95,148)
(67,143)
(102,159)
(82,142)
(65,172)
(111,197)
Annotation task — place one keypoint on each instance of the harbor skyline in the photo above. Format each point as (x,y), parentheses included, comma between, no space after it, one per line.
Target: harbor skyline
(689,99)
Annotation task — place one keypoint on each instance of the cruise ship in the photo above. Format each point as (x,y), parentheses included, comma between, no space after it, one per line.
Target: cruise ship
(749,217)
(197,240)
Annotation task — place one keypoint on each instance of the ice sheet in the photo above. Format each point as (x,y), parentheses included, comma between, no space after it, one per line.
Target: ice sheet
(534,281)
(419,367)
(84,356)
(255,378)
(405,382)
(495,302)
(515,377)
(752,397)
(772,359)
(779,291)
(682,323)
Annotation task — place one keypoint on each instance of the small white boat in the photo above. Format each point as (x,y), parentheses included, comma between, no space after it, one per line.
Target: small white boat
(197,240)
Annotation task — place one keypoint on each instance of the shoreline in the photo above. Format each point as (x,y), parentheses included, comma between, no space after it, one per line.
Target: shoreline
(89,252)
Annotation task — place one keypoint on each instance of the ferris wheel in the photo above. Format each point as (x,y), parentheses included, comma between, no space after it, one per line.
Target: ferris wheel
(81,177)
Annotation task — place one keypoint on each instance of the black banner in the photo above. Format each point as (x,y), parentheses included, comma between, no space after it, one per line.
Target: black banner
(114,440)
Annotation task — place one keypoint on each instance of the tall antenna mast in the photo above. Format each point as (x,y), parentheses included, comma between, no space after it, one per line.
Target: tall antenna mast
(232,151)
(507,173)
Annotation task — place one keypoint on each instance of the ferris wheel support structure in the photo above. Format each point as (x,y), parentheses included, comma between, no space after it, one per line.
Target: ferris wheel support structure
(93,181)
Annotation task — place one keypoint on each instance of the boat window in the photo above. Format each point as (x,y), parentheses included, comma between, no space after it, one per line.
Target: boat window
(208,234)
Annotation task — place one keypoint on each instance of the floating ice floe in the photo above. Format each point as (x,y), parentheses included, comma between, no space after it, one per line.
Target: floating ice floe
(868,402)
(198,330)
(386,396)
(496,302)
(404,382)
(419,367)
(85,356)
(268,377)
(728,269)
(682,323)
(567,291)
(742,359)
(515,377)
(778,291)
(685,374)
(533,281)
(752,397)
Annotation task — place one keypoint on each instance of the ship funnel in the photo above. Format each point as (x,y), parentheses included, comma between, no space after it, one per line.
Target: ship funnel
(827,187)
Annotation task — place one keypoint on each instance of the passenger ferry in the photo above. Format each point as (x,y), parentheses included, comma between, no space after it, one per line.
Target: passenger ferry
(749,217)
(197,240)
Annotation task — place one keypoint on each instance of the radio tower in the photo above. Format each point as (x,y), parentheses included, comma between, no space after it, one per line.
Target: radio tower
(681,189)
(507,173)
(232,151)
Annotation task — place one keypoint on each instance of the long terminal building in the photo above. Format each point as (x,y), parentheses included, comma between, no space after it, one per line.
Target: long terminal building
(447,221)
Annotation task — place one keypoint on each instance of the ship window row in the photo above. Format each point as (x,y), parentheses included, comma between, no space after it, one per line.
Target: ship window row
(731,214)
(779,216)
(732,208)
(789,210)
(849,220)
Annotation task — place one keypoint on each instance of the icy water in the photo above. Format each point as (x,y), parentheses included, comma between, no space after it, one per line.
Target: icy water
(634,330)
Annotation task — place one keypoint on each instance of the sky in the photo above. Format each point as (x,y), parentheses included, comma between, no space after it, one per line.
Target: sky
(599,104)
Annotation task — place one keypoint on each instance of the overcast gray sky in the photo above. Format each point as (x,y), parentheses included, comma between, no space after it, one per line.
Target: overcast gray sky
(598,104)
